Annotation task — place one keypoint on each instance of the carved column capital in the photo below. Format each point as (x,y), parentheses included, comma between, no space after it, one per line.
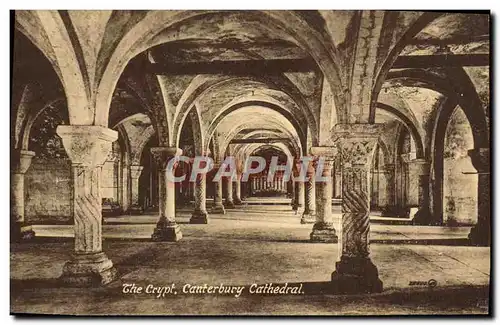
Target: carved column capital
(419,167)
(326,155)
(162,155)
(327,152)
(87,145)
(480,158)
(357,142)
(21,161)
(135,171)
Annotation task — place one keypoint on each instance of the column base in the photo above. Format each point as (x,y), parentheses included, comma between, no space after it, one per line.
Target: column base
(480,236)
(89,270)
(229,205)
(324,233)
(237,201)
(167,231)
(135,209)
(218,209)
(21,232)
(356,275)
(423,217)
(298,209)
(308,217)
(199,217)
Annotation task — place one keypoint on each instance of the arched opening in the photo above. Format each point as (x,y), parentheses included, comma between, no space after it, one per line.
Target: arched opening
(382,182)
(185,189)
(148,181)
(48,180)
(110,181)
(259,185)
(459,175)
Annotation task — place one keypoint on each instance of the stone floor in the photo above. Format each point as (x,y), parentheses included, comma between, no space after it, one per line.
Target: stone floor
(253,244)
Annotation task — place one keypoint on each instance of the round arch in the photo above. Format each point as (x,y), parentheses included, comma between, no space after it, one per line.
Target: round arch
(408,123)
(201,84)
(223,113)
(144,35)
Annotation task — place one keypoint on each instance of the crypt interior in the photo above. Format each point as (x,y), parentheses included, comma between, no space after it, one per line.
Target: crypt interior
(397,102)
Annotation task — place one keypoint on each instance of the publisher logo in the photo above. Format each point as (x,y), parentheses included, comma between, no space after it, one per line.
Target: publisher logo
(430,283)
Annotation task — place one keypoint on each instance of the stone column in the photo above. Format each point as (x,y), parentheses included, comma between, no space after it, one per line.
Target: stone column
(200,214)
(135,173)
(166,229)
(20,162)
(229,203)
(309,215)
(292,192)
(299,197)
(218,206)
(480,234)
(323,230)
(418,169)
(386,196)
(237,190)
(87,147)
(125,188)
(355,272)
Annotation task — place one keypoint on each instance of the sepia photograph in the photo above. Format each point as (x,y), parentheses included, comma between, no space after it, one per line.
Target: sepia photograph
(250,163)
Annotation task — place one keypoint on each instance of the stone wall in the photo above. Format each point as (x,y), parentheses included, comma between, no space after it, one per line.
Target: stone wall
(109,181)
(48,191)
(459,189)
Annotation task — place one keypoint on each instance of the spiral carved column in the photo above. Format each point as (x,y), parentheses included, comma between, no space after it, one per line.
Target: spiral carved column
(309,215)
(166,229)
(87,147)
(323,230)
(355,272)
(200,214)
(480,234)
(19,230)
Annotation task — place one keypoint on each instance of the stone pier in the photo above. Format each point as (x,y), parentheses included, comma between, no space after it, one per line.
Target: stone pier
(20,162)
(355,272)
(87,147)
(167,228)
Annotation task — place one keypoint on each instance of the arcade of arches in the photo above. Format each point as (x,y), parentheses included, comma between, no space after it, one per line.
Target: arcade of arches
(397,102)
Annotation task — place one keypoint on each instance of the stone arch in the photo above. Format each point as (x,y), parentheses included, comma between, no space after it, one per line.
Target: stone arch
(293,144)
(385,152)
(437,147)
(457,86)
(198,135)
(142,36)
(135,148)
(247,151)
(201,84)
(47,30)
(148,93)
(408,123)
(26,130)
(124,142)
(424,20)
(234,106)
